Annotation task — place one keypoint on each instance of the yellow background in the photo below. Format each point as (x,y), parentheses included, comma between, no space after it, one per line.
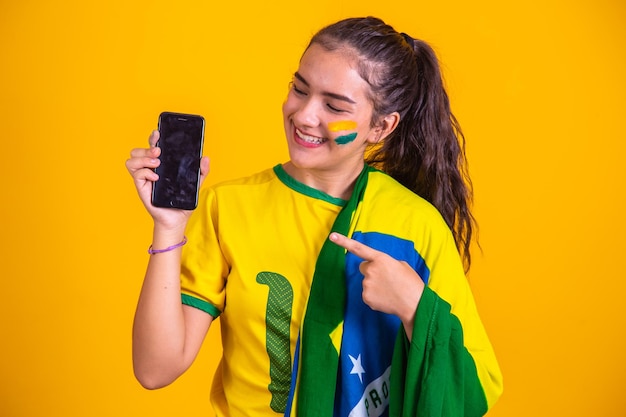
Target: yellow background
(538,86)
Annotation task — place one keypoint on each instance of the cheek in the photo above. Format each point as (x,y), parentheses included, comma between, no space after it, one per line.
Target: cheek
(285,107)
(342,125)
(344,131)
(345,139)
(290,105)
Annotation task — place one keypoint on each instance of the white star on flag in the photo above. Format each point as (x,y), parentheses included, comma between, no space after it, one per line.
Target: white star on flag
(357,368)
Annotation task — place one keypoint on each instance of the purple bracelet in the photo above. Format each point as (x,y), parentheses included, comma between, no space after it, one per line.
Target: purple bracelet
(169,248)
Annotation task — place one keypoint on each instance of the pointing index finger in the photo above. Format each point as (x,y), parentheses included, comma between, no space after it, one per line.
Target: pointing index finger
(357,248)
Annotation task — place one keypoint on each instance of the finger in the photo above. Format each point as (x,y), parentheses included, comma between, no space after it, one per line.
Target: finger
(144,174)
(357,248)
(154,138)
(204,167)
(145,153)
(142,158)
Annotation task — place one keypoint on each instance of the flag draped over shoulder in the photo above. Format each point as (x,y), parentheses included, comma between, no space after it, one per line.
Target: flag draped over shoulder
(324,315)
(433,374)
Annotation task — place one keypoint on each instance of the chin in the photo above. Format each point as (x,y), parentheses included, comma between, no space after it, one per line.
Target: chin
(304,160)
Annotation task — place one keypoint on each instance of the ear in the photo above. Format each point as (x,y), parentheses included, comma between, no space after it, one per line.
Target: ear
(386,125)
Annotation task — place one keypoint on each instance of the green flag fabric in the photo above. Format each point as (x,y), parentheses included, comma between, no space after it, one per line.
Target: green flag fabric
(325,309)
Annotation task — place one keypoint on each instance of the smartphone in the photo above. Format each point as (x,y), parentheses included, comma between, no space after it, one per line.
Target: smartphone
(181,138)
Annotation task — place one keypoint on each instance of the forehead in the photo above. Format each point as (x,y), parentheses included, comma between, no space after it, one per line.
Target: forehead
(336,70)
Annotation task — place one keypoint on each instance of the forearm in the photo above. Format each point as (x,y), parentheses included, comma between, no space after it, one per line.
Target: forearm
(159,354)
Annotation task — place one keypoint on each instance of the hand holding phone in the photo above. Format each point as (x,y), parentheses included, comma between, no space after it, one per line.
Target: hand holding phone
(181,139)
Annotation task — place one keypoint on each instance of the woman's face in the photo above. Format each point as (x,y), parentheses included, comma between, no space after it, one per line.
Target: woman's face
(327,113)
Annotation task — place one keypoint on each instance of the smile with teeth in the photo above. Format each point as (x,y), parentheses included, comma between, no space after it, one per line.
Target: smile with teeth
(310,139)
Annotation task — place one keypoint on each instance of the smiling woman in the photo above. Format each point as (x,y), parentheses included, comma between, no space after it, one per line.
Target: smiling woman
(538,87)
(300,299)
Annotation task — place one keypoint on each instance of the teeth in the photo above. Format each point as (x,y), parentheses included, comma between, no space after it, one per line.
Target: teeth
(310,139)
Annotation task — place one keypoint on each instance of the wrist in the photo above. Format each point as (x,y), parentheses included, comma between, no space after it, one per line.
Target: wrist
(408,308)
(169,222)
(164,237)
(153,251)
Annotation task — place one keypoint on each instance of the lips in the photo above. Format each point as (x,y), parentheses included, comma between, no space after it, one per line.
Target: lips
(308,139)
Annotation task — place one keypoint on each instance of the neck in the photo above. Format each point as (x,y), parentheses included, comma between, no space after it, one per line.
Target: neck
(336,183)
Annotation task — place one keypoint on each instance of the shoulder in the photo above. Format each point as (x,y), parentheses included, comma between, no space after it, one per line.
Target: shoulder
(242,185)
(390,208)
(387,195)
(262,177)
(231,194)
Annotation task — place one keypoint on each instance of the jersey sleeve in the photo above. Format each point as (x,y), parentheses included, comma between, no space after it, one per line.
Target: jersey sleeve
(204,269)
(449,367)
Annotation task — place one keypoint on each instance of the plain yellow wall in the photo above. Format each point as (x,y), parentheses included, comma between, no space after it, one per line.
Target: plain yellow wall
(537,85)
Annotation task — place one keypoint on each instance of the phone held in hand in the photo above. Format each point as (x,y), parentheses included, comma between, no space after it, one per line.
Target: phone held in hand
(181,138)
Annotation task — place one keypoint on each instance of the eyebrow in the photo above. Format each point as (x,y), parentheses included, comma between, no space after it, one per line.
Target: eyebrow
(325,93)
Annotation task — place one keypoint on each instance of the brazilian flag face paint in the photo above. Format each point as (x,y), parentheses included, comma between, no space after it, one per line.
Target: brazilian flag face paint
(344,139)
(341,126)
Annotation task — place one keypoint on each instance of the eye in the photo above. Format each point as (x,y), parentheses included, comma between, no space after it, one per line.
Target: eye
(334,109)
(296,89)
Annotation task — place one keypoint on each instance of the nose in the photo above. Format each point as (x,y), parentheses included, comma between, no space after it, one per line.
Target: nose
(307,113)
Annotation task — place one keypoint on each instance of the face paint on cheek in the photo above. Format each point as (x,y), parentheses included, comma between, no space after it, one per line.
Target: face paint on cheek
(345,139)
(343,125)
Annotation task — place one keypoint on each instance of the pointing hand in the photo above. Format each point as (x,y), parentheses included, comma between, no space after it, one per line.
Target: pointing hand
(389,285)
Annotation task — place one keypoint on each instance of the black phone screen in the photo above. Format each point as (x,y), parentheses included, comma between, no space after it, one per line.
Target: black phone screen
(181,137)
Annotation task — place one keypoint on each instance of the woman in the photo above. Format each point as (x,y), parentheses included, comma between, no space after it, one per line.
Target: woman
(315,323)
